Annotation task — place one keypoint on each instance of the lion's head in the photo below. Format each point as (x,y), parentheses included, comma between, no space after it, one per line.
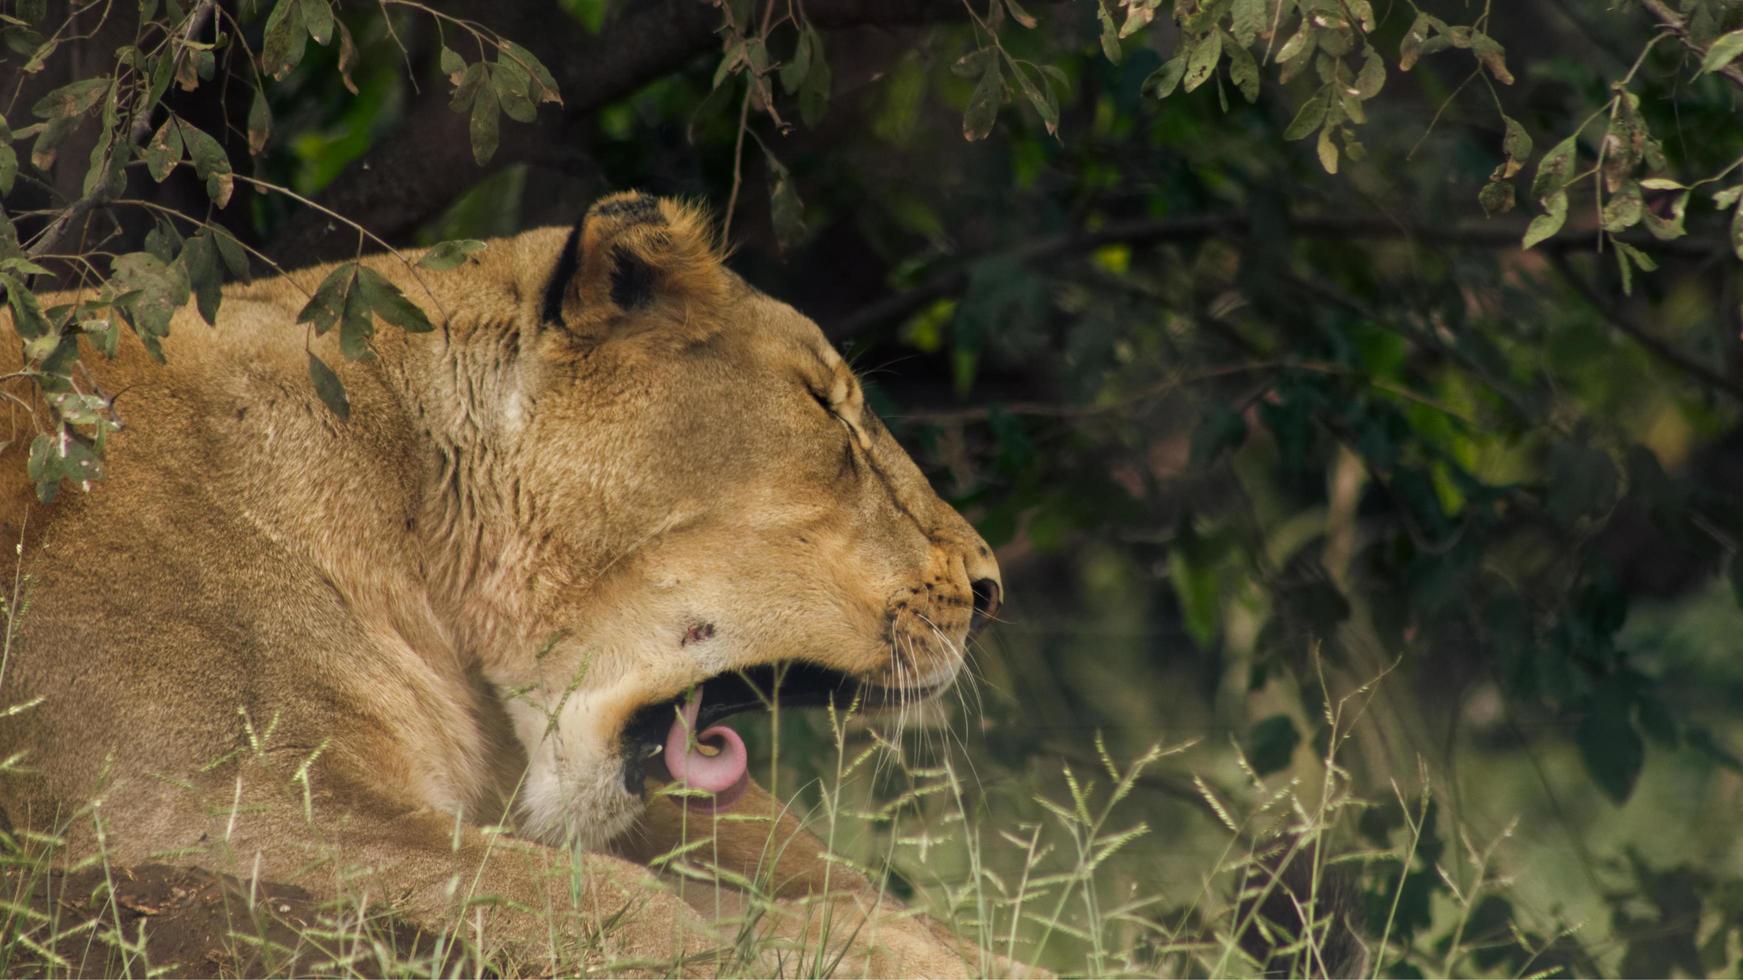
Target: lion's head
(694,497)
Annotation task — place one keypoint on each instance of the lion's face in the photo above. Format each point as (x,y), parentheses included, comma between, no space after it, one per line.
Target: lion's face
(706,499)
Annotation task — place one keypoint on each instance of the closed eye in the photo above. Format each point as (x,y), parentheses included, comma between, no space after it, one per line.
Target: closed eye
(850,458)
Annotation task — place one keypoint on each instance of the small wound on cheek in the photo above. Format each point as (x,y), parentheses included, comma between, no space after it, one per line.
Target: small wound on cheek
(697,633)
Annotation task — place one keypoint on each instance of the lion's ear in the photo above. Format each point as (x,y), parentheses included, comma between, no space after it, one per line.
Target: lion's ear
(631,251)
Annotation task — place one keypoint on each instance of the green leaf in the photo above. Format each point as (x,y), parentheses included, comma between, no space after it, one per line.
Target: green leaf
(1110,35)
(1723,51)
(729,62)
(1737,232)
(8,166)
(1667,228)
(1271,744)
(327,386)
(259,123)
(510,85)
(1496,197)
(163,240)
(1372,78)
(1612,749)
(786,211)
(1492,56)
(486,121)
(1328,151)
(983,105)
(1310,117)
(467,88)
(389,303)
(1039,96)
(1728,197)
(44,468)
(795,69)
(1243,69)
(318,19)
(210,162)
(814,96)
(1202,59)
(1516,144)
(544,84)
(163,151)
(1628,255)
(162,289)
(27,316)
(452,64)
(1246,20)
(325,306)
(1193,571)
(205,277)
(73,99)
(356,321)
(231,251)
(285,38)
(1020,15)
(107,159)
(1624,209)
(1554,170)
(1299,44)
(1544,226)
(1162,82)
(446,255)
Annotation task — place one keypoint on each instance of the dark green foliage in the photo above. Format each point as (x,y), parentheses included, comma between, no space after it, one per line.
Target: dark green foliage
(1281,346)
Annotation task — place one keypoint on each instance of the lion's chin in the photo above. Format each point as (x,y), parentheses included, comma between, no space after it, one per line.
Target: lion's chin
(563,812)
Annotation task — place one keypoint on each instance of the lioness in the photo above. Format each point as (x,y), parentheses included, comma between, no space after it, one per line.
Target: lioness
(557,541)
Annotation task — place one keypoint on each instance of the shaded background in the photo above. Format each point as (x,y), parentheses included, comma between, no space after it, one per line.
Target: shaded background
(1248,436)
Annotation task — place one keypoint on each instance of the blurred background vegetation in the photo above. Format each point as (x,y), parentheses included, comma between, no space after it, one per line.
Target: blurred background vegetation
(1216,317)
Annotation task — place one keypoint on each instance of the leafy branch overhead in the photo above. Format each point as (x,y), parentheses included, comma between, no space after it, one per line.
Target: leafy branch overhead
(177,49)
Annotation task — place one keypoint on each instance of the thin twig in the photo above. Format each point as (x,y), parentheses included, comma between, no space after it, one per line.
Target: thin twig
(1497,235)
(1657,348)
(1671,19)
(46,240)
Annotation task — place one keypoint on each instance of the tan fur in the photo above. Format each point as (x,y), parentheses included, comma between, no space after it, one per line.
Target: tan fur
(455,599)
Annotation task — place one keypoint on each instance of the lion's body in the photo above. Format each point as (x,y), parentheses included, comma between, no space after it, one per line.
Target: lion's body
(270,636)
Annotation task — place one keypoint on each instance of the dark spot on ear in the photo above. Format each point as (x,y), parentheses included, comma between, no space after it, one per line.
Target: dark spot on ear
(241,414)
(632,280)
(632,210)
(697,633)
(568,262)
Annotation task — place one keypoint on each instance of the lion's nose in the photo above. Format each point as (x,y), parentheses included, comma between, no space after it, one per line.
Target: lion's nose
(987,593)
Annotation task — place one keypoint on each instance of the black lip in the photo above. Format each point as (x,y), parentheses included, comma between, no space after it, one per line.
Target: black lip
(792,685)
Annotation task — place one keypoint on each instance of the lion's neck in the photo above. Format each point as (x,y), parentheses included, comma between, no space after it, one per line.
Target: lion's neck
(464,394)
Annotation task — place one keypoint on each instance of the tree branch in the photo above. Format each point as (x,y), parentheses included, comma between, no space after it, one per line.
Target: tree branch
(1652,345)
(1662,12)
(427,162)
(50,236)
(1496,235)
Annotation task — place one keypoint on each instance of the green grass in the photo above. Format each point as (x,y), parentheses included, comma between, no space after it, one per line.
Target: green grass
(1059,881)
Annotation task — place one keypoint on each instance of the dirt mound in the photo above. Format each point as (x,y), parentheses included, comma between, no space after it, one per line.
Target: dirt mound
(186,922)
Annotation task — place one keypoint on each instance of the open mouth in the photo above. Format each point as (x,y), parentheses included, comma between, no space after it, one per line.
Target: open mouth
(684,736)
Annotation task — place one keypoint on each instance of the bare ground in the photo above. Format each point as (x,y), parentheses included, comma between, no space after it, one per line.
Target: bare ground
(196,923)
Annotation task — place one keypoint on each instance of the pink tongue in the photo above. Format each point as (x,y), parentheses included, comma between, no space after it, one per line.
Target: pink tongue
(724,774)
